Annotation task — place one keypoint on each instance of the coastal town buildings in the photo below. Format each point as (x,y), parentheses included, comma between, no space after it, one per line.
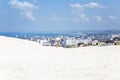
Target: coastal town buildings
(82,40)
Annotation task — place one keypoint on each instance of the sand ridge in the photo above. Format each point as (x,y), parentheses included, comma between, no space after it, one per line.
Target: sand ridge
(27,60)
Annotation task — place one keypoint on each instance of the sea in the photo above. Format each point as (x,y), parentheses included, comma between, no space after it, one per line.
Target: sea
(28,35)
(54,34)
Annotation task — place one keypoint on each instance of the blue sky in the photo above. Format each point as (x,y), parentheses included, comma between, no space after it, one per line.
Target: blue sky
(59,15)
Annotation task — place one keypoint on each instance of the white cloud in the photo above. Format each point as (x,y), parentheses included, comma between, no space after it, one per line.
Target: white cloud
(78,10)
(80,17)
(56,18)
(89,5)
(76,5)
(98,18)
(29,15)
(94,5)
(26,8)
(113,17)
(83,17)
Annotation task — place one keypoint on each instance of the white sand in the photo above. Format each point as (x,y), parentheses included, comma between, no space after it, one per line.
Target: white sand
(26,60)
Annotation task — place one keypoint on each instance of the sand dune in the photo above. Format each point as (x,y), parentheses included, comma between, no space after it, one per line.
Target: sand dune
(27,60)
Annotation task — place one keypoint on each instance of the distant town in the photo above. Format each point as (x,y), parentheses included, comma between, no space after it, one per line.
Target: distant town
(81,40)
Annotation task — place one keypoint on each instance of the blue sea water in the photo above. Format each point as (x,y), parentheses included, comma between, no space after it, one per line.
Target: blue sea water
(28,35)
(54,34)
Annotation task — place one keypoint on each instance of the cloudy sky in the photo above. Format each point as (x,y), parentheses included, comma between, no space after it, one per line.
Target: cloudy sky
(59,15)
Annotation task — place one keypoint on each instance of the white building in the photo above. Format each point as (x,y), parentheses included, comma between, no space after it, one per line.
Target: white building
(45,43)
(70,42)
(94,42)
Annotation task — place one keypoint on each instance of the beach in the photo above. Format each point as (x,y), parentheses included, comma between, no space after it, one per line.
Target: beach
(28,60)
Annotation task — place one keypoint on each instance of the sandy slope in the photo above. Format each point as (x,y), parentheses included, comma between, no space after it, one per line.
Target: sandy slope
(26,60)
